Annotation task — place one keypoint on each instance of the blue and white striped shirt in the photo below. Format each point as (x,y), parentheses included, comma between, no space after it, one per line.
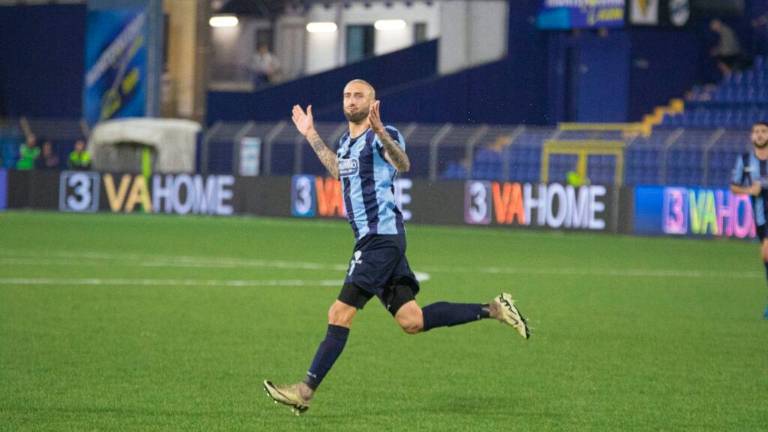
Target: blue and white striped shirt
(755,171)
(367,182)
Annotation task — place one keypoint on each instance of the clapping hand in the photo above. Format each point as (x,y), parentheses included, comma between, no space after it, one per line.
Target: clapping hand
(304,122)
(374,118)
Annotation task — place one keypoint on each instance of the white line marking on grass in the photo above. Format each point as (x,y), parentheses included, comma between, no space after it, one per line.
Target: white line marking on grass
(421,276)
(65,259)
(181,261)
(167,282)
(637,273)
(163,261)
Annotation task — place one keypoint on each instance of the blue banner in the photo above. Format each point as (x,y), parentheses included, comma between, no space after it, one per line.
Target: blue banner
(571,14)
(686,211)
(123,59)
(115,64)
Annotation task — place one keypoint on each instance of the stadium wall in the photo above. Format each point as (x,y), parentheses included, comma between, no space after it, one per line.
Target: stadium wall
(42,60)
(494,93)
(511,90)
(665,63)
(323,90)
(644,66)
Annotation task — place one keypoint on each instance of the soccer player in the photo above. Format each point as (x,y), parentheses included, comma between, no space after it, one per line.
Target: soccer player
(368,158)
(750,176)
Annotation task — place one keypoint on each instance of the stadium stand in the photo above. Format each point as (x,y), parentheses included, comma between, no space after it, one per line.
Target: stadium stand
(695,143)
(737,102)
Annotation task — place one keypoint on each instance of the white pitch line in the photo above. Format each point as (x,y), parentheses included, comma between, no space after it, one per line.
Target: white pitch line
(162,261)
(636,273)
(181,261)
(167,282)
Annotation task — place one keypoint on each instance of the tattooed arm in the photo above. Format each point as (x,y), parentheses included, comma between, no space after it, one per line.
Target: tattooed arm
(305,124)
(392,152)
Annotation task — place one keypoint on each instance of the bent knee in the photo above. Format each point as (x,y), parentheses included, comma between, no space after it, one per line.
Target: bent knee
(412,329)
(341,314)
(411,324)
(342,320)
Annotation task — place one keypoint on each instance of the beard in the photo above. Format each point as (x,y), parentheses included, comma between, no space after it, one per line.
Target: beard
(760,145)
(356,117)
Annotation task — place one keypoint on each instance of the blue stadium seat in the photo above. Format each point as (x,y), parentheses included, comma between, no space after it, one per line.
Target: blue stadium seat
(454,171)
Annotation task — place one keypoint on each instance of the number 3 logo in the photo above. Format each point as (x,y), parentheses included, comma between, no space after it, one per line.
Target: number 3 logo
(476,210)
(79,191)
(302,196)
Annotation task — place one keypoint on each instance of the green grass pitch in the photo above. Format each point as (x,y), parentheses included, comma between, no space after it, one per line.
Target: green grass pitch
(146,323)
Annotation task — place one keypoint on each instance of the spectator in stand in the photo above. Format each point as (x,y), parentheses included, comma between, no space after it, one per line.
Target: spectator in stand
(28,154)
(488,159)
(79,159)
(728,50)
(498,145)
(265,67)
(457,170)
(48,159)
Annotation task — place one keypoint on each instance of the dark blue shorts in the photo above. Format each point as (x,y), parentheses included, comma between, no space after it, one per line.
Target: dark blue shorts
(379,268)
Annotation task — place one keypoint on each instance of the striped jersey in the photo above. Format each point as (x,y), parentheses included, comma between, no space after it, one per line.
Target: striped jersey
(367,182)
(744,175)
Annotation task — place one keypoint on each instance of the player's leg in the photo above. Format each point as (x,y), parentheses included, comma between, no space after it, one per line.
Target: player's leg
(414,319)
(400,301)
(340,315)
(354,295)
(339,322)
(410,318)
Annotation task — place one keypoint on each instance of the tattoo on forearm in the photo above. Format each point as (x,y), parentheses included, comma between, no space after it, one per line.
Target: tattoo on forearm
(396,154)
(326,155)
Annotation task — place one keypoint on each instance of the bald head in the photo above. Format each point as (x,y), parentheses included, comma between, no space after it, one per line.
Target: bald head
(364,83)
(358,97)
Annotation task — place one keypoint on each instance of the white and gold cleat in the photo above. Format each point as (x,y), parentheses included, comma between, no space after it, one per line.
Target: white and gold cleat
(503,309)
(288,395)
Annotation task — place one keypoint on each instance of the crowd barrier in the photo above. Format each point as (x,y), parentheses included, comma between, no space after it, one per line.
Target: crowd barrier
(642,210)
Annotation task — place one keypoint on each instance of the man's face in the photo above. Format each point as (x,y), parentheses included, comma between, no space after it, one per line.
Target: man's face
(760,136)
(357,102)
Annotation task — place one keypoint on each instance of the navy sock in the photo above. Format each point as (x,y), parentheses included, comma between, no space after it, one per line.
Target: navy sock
(442,314)
(329,350)
(766,269)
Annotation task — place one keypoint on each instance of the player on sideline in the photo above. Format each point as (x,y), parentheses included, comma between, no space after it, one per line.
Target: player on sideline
(369,157)
(750,176)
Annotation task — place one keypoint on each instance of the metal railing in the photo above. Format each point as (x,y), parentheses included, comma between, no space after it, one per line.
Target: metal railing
(449,151)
